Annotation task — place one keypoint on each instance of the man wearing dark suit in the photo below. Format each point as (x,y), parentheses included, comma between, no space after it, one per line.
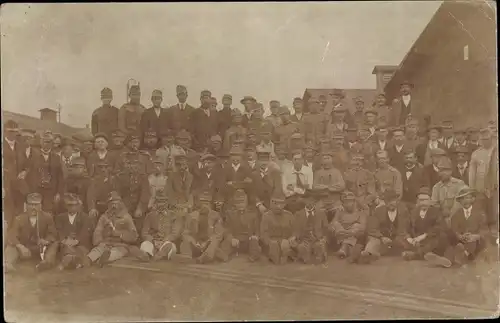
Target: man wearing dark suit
(209,180)
(105,118)
(380,140)
(403,105)
(179,115)
(155,117)
(129,115)
(12,167)
(249,103)
(431,172)
(298,107)
(224,116)
(396,151)
(266,181)
(203,122)
(413,178)
(237,175)
(424,150)
(47,174)
(461,166)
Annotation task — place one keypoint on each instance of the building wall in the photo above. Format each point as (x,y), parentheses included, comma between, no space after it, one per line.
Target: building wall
(446,85)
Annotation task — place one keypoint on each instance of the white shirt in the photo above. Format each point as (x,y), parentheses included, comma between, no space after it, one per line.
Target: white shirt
(209,175)
(372,130)
(406,99)
(409,171)
(182,106)
(33,220)
(299,116)
(392,215)
(399,148)
(461,168)
(102,155)
(467,212)
(309,213)
(45,154)
(263,172)
(381,144)
(251,164)
(436,169)
(447,142)
(289,177)
(423,213)
(28,152)
(157,111)
(12,144)
(236,167)
(71,218)
(207,112)
(433,144)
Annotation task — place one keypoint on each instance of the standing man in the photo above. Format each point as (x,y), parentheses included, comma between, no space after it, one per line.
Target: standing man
(447,138)
(461,164)
(296,180)
(105,118)
(224,116)
(397,150)
(129,116)
(384,112)
(203,122)
(274,118)
(154,118)
(413,177)
(403,105)
(248,104)
(12,164)
(359,116)
(298,107)
(179,115)
(481,162)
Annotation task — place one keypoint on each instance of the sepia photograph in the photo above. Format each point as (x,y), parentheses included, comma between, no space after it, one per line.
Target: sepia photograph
(249,161)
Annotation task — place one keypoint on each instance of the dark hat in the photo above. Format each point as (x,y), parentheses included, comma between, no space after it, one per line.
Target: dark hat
(464,192)
(183,134)
(157,160)
(117,133)
(396,129)
(34,198)
(382,125)
(390,195)
(359,99)
(459,130)
(106,93)
(447,124)
(434,127)
(235,152)
(205,93)
(438,152)
(180,89)
(67,142)
(78,161)
(11,125)
(352,128)
(371,111)
(473,130)
(248,98)
(114,196)
(444,163)
(207,157)
(101,135)
(157,93)
(274,102)
(134,90)
(150,133)
(411,121)
(406,82)
(339,108)
(381,94)
(347,195)
(83,137)
(338,92)
(227,96)
(71,199)
(424,190)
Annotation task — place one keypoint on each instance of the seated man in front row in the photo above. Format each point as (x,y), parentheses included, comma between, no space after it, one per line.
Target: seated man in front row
(241,234)
(32,236)
(276,231)
(161,230)
(114,234)
(466,235)
(203,231)
(386,229)
(309,228)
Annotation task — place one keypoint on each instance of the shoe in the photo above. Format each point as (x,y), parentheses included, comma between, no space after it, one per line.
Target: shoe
(163,252)
(460,257)
(366,257)
(409,255)
(86,262)
(139,254)
(274,253)
(104,258)
(355,254)
(437,260)
(42,266)
(66,262)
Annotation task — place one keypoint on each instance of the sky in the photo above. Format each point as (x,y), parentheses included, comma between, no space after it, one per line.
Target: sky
(64,54)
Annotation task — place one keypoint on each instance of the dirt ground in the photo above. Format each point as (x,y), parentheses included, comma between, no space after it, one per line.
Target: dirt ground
(118,294)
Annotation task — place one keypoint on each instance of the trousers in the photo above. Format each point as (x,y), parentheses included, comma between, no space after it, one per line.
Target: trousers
(116,252)
(12,254)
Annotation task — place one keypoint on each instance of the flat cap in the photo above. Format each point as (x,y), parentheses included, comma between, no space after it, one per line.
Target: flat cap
(459,130)
(397,129)
(106,93)
(215,138)
(382,125)
(180,89)
(114,196)
(438,152)
(359,99)
(248,98)
(34,198)
(339,108)
(434,127)
(132,136)
(274,102)
(71,199)
(27,132)
(67,142)
(424,190)
(338,92)
(47,136)
(156,160)
(206,93)
(371,111)
(78,161)
(183,134)
(444,163)
(446,124)
(156,93)
(235,151)
(464,192)
(83,137)
(117,133)
(347,195)
(412,122)
(473,130)
(207,157)
(227,96)
(406,82)
(101,135)
(390,195)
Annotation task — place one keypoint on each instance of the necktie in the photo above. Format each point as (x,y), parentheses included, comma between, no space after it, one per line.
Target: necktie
(67,161)
(299,181)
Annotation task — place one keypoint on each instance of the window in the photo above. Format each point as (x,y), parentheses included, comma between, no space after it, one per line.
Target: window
(466,52)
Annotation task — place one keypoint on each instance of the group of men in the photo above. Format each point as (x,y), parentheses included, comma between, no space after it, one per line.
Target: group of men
(210,184)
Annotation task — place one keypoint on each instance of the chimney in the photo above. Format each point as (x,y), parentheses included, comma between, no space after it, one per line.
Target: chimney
(48,114)
(383,74)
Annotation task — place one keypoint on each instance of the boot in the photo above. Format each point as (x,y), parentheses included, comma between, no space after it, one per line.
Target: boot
(163,252)
(66,262)
(409,255)
(355,253)
(103,260)
(139,254)
(437,260)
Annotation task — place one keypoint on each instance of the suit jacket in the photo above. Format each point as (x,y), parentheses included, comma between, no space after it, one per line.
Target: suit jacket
(24,233)
(149,120)
(399,112)
(432,177)
(412,185)
(179,189)
(396,159)
(129,117)
(423,152)
(263,188)
(202,128)
(79,230)
(241,225)
(312,228)
(178,119)
(214,184)
(475,224)
(224,121)
(46,173)
(104,119)
(379,225)
(456,173)
(431,224)
(93,158)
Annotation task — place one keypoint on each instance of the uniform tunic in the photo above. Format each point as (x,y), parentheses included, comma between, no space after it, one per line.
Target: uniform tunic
(330,177)
(276,227)
(443,195)
(389,179)
(129,117)
(161,226)
(354,222)
(105,120)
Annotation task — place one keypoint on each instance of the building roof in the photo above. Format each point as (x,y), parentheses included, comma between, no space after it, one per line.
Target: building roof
(384,68)
(448,14)
(368,95)
(39,125)
(47,109)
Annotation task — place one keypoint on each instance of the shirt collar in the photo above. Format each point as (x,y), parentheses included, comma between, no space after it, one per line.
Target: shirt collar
(464,166)
(11,143)
(236,167)
(435,168)
(467,211)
